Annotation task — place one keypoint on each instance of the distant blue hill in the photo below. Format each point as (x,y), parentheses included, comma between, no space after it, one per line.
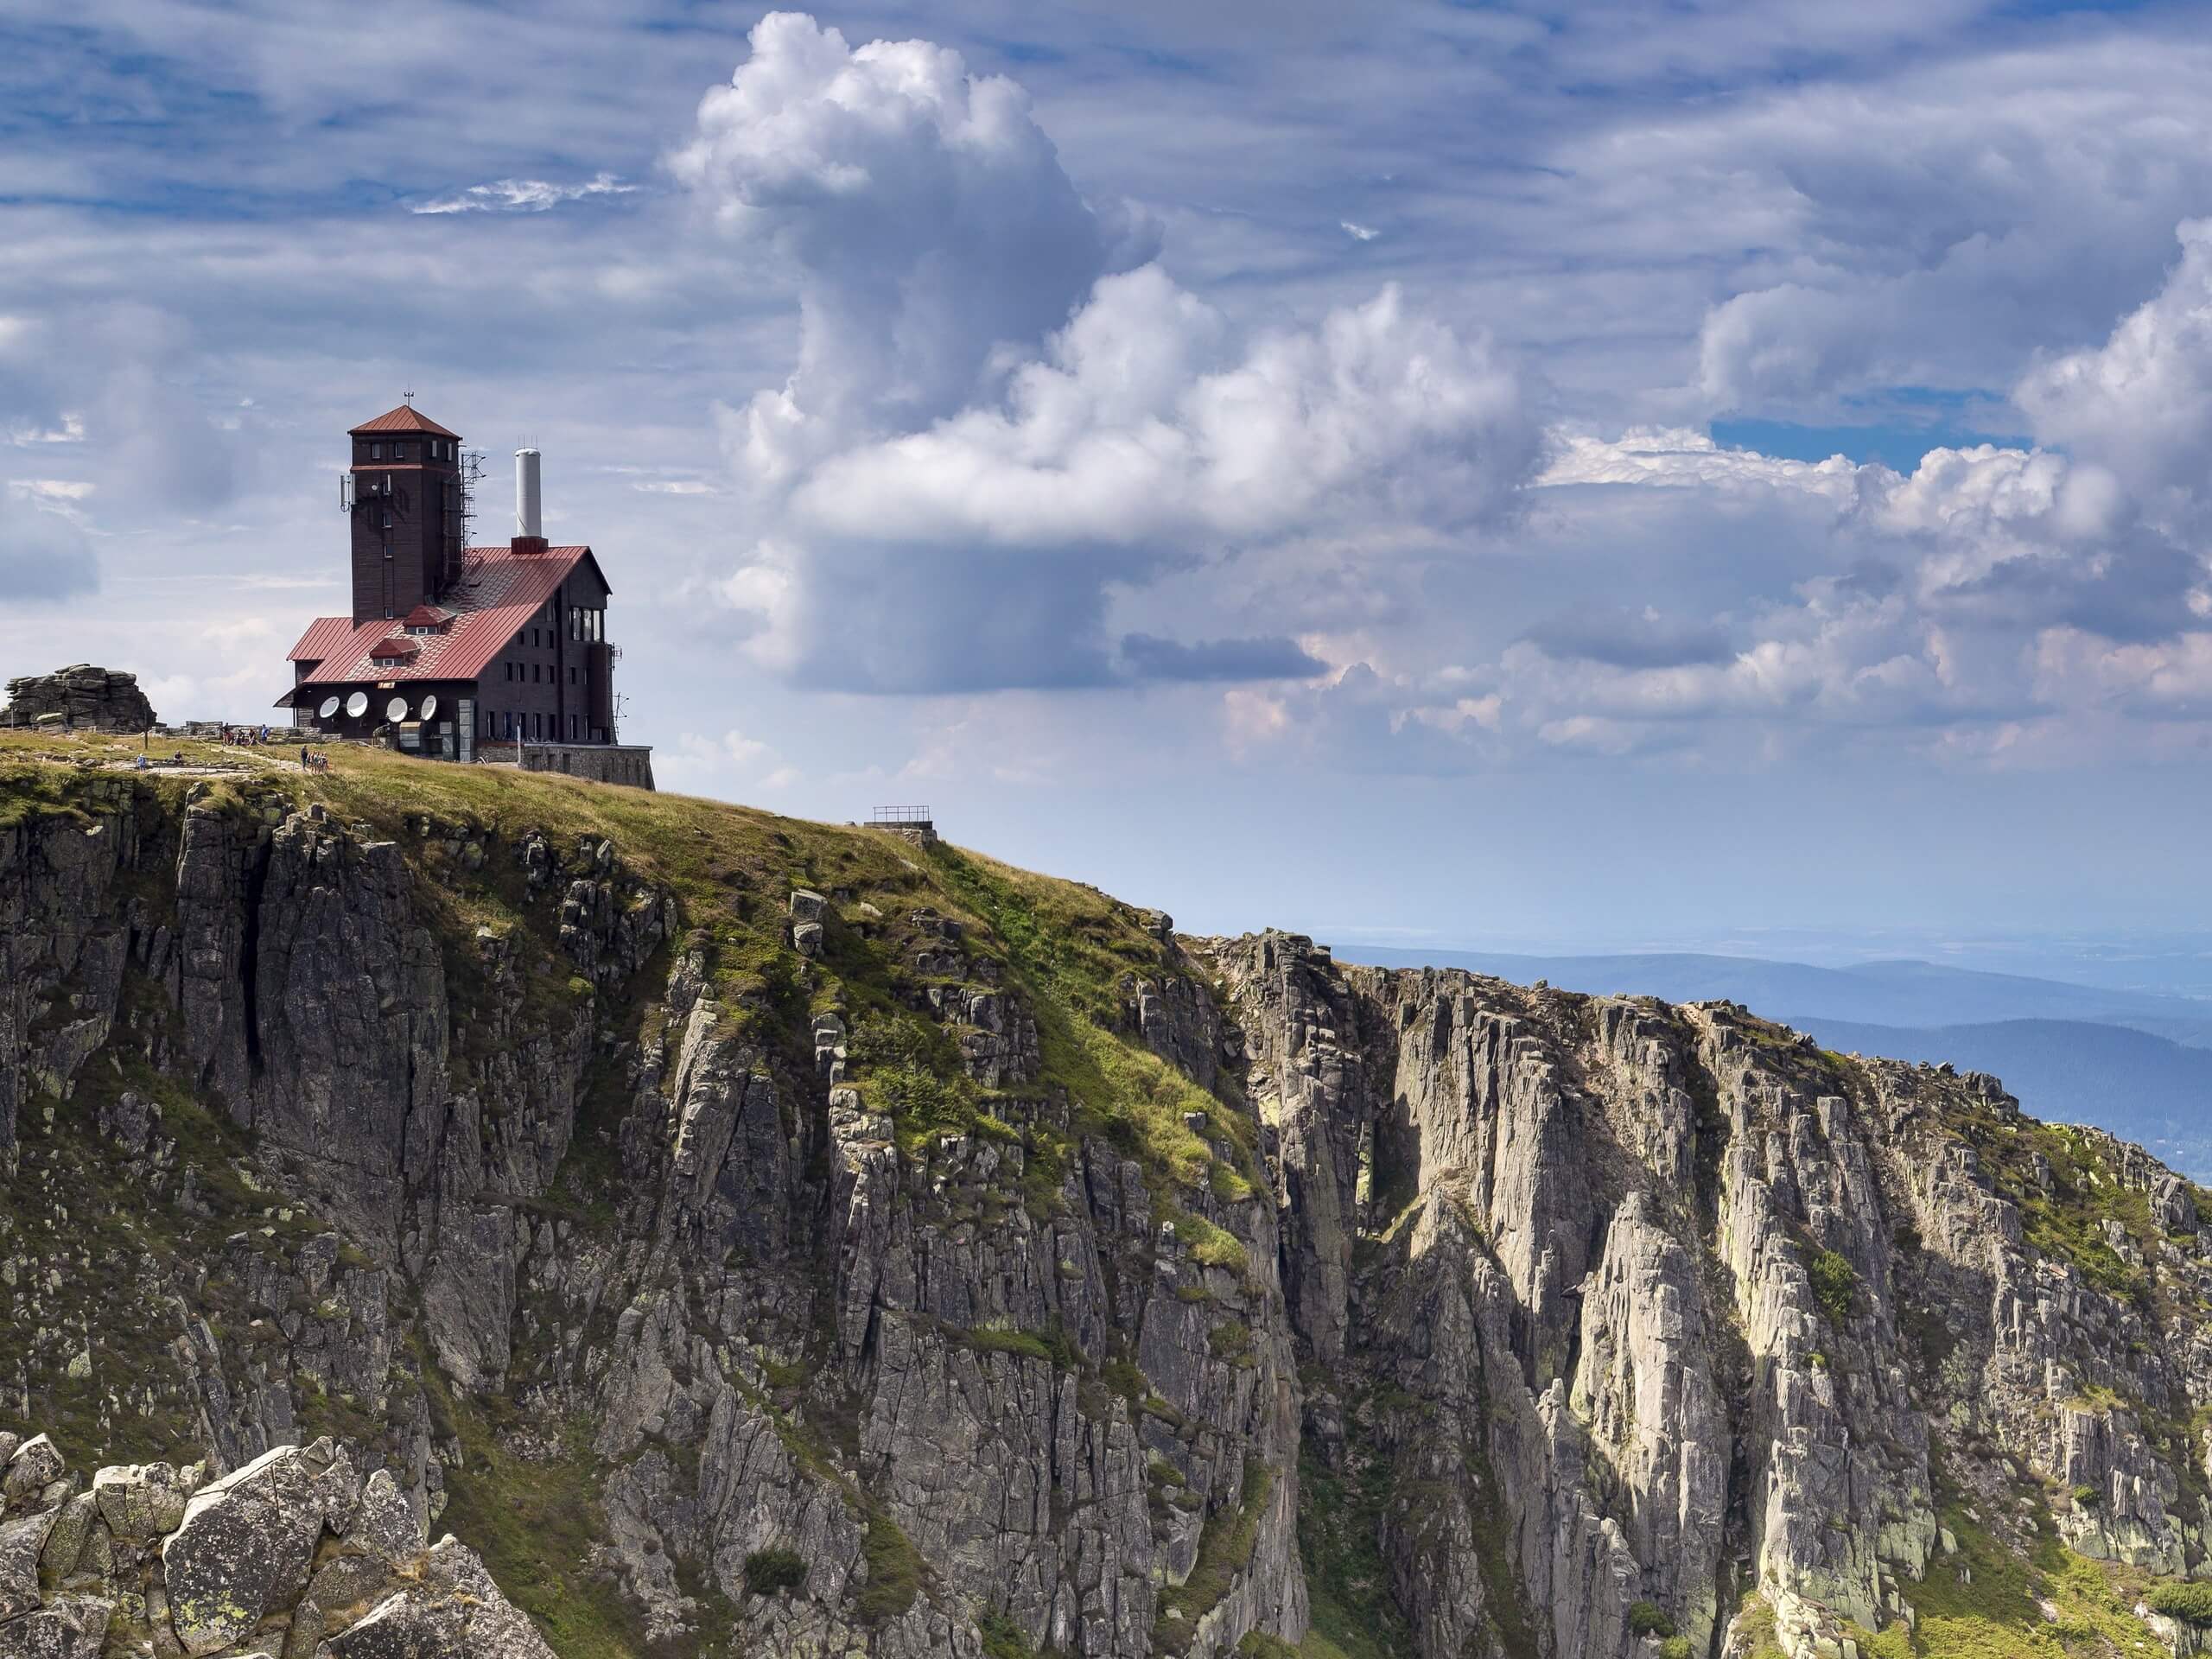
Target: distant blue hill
(1901,993)
(2141,1087)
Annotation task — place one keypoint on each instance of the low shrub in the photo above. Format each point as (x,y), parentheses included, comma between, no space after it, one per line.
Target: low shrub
(2190,1603)
(774,1570)
(1835,1284)
(1649,1618)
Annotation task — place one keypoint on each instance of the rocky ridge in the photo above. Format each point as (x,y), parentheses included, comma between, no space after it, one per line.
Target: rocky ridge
(761,1237)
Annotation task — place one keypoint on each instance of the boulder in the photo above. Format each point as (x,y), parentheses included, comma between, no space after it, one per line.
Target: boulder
(22,1541)
(242,1549)
(36,1466)
(68,1627)
(140,1501)
(385,1526)
(402,1627)
(65,1541)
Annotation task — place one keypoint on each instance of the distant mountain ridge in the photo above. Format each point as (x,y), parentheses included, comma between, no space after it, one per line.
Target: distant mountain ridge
(1910,993)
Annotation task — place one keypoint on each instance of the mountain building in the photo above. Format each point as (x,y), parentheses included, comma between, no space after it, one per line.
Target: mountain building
(452,651)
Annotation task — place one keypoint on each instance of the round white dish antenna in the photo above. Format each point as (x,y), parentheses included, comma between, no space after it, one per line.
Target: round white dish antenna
(396,710)
(329,708)
(430,706)
(357,704)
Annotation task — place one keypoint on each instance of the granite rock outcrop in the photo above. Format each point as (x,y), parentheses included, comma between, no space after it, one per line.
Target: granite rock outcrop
(81,698)
(761,1237)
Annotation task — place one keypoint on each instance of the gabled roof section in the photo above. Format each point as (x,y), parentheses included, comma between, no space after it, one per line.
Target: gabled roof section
(427,616)
(405,418)
(497,595)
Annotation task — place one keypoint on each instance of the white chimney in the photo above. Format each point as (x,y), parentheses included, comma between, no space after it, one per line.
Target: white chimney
(527,519)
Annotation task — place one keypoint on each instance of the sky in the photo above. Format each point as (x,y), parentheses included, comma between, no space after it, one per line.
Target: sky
(1603,476)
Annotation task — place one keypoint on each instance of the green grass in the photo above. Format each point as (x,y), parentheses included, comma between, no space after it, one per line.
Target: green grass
(1225,1545)
(1994,1608)
(535,1521)
(894,1570)
(1071,947)
(1354,1614)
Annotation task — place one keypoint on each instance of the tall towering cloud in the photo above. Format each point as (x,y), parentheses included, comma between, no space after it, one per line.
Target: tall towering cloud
(1003,412)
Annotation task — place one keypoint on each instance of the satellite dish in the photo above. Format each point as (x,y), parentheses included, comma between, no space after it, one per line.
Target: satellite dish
(429,707)
(329,708)
(396,710)
(357,704)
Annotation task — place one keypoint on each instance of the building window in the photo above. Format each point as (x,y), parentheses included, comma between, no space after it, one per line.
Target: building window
(399,452)
(376,452)
(387,518)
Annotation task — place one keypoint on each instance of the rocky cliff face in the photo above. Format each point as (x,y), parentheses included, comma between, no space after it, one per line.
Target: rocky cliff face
(757,1238)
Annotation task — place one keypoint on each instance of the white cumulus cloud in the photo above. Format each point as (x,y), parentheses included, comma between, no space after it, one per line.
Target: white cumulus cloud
(1004,412)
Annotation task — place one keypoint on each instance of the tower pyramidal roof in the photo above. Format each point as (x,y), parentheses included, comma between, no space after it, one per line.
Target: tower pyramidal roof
(405,418)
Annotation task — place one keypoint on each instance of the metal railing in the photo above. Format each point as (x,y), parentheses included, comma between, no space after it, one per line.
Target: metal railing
(899,815)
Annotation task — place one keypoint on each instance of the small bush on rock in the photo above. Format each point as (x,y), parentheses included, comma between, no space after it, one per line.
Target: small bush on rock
(1648,1618)
(1834,1284)
(2189,1603)
(770,1572)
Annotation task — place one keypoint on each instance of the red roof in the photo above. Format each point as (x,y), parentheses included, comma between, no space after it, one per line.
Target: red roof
(405,418)
(499,593)
(427,616)
(397,645)
(326,636)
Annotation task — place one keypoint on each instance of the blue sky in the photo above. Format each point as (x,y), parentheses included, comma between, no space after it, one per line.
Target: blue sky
(1557,477)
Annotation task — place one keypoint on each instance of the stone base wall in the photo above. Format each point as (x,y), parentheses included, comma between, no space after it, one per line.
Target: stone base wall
(605,763)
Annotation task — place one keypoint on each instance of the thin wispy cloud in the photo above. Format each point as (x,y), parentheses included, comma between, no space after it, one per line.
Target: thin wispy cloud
(1359,233)
(525,196)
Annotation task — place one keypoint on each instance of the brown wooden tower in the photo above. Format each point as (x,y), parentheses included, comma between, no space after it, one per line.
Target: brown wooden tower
(405,497)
